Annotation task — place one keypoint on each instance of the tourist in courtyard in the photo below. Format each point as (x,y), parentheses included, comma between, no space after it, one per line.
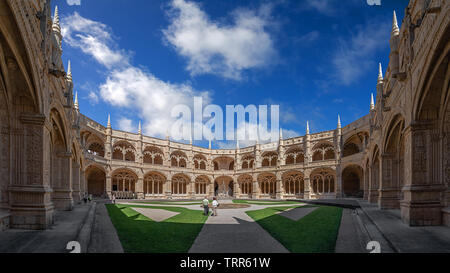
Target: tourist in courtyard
(113,198)
(205,204)
(215,204)
(85,198)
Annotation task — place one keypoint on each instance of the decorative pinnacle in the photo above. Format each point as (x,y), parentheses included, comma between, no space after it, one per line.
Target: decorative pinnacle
(55,26)
(372,103)
(307,127)
(139,128)
(395,29)
(109,122)
(237,144)
(281,134)
(380,74)
(69,72)
(190,139)
(209,146)
(339,122)
(76,102)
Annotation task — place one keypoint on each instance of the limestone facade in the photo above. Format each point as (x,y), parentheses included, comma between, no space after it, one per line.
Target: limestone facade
(397,156)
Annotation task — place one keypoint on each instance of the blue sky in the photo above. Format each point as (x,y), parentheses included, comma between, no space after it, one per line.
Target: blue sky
(315,58)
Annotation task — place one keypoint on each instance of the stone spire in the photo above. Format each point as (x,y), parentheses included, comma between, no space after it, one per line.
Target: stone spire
(56,27)
(209,146)
(75,105)
(307,127)
(69,72)
(237,144)
(109,122)
(139,128)
(372,103)
(395,29)
(281,134)
(339,122)
(190,139)
(380,74)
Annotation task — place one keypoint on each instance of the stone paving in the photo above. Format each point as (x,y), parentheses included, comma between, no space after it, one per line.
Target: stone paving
(157,215)
(296,213)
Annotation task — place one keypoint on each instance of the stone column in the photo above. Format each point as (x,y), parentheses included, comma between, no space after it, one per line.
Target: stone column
(168,185)
(421,205)
(108,186)
(140,186)
(62,194)
(338,182)
(255,194)
(76,182)
(388,197)
(29,189)
(307,181)
(279,187)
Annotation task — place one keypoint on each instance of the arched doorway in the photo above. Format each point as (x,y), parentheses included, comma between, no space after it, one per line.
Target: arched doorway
(223,187)
(352,178)
(96,179)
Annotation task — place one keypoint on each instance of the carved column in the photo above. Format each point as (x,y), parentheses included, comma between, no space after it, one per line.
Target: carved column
(140,186)
(108,185)
(388,197)
(30,192)
(279,187)
(307,181)
(76,182)
(62,192)
(256,191)
(421,205)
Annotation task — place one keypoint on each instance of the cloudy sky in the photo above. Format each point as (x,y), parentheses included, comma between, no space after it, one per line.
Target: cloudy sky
(136,59)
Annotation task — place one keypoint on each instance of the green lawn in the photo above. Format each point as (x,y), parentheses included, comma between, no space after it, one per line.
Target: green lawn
(139,234)
(171,203)
(265,202)
(315,233)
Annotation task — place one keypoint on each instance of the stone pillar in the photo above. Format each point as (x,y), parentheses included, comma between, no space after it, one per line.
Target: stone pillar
(388,196)
(108,185)
(140,187)
(338,182)
(307,181)
(62,193)
(255,194)
(279,187)
(83,186)
(168,185)
(76,182)
(366,183)
(29,191)
(421,205)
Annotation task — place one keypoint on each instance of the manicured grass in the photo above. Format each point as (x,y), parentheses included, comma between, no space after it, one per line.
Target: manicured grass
(139,234)
(265,202)
(315,233)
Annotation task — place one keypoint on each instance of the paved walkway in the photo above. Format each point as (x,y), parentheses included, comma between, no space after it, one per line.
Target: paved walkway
(54,240)
(403,238)
(104,238)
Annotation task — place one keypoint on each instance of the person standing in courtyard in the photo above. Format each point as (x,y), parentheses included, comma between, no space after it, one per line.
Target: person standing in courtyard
(215,204)
(113,198)
(205,203)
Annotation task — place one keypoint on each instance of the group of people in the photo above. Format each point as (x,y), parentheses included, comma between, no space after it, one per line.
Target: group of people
(87,197)
(205,204)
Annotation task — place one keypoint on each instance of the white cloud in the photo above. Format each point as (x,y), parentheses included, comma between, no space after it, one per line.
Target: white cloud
(93,98)
(94,39)
(354,56)
(126,86)
(150,97)
(126,125)
(213,48)
(74,2)
(323,6)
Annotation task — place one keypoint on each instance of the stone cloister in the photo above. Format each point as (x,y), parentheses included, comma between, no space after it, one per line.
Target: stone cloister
(397,156)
